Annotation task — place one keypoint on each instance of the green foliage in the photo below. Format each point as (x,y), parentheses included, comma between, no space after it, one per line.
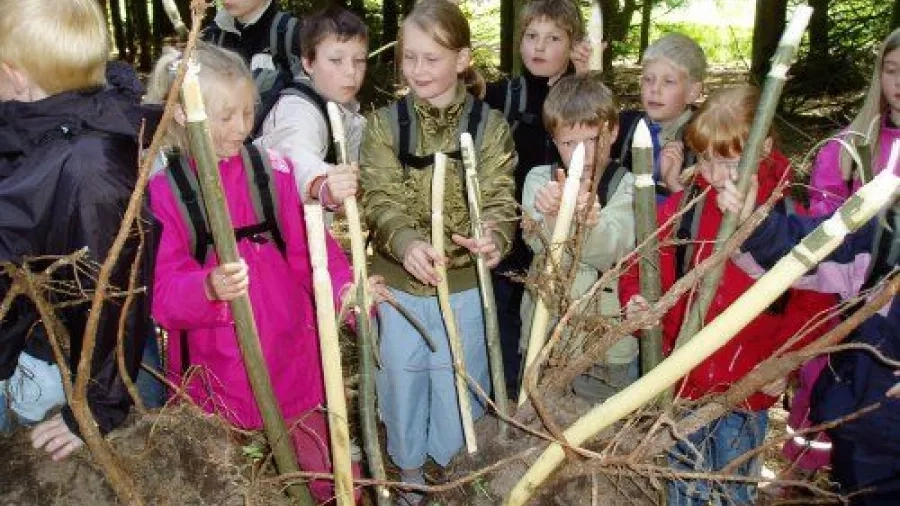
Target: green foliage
(484,22)
(723,46)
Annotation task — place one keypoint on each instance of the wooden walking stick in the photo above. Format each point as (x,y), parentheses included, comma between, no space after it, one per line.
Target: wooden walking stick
(364,327)
(646,225)
(856,212)
(488,304)
(541,317)
(443,292)
(226,248)
(330,348)
(595,35)
(749,163)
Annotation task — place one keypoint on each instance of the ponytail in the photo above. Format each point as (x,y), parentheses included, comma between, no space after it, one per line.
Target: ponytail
(474,82)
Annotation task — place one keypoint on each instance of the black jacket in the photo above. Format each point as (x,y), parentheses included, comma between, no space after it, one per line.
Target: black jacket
(68,165)
(253,39)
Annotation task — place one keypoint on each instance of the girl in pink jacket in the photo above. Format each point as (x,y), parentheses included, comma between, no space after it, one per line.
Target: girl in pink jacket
(835,176)
(192,289)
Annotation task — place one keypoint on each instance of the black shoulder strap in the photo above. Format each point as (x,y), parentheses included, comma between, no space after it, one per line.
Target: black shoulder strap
(301,89)
(264,198)
(184,182)
(625,148)
(885,249)
(609,182)
(282,37)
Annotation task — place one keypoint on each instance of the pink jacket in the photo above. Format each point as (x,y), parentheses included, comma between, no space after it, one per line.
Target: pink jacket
(280,293)
(828,188)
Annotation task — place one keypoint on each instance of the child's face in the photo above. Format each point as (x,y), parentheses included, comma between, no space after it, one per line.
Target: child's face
(890,80)
(230,116)
(338,69)
(545,48)
(666,90)
(240,9)
(716,169)
(429,68)
(568,137)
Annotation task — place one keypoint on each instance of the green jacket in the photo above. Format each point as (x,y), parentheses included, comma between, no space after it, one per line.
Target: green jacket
(604,244)
(397,208)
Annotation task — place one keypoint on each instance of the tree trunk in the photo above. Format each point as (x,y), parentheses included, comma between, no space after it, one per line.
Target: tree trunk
(770,22)
(389,28)
(818,31)
(508,34)
(118,25)
(895,16)
(616,22)
(143,33)
(646,10)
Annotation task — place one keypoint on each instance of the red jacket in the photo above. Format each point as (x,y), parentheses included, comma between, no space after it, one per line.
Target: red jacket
(764,335)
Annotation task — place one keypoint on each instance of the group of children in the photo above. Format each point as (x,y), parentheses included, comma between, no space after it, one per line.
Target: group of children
(58,117)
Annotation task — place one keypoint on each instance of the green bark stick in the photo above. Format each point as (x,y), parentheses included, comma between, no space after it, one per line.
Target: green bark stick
(488,304)
(364,324)
(749,163)
(226,248)
(443,294)
(856,212)
(646,225)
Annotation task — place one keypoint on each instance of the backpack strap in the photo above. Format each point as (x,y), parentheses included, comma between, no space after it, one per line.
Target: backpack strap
(263,197)
(301,89)
(184,183)
(885,249)
(625,148)
(609,182)
(515,103)
(282,36)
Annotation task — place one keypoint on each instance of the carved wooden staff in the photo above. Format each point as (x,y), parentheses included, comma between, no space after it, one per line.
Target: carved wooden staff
(488,305)
(541,317)
(364,327)
(330,349)
(595,35)
(646,225)
(749,163)
(226,248)
(856,212)
(443,292)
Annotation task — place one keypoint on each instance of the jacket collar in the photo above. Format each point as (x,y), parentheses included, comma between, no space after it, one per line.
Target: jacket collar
(442,115)
(227,22)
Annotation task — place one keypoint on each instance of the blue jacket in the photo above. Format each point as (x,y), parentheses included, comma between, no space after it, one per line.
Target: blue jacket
(856,378)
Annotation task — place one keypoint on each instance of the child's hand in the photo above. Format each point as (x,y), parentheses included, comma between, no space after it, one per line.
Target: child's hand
(581,55)
(484,246)
(379,289)
(549,197)
(341,181)
(420,259)
(730,199)
(590,203)
(671,158)
(227,281)
(54,436)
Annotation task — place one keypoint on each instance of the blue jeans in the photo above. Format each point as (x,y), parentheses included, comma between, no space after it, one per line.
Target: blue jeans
(714,447)
(151,390)
(31,392)
(416,388)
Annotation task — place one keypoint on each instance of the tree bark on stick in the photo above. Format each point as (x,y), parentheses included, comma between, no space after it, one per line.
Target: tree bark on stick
(749,163)
(443,292)
(488,304)
(330,349)
(541,316)
(226,248)
(646,225)
(856,212)
(364,326)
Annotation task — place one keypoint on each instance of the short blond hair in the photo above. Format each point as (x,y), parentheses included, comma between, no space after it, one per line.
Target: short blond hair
(62,45)
(681,51)
(580,99)
(565,13)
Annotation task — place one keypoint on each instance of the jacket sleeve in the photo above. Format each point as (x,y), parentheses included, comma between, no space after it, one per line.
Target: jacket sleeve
(102,193)
(613,236)
(297,129)
(179,299)
(828,190)
(384,204)
(495,176)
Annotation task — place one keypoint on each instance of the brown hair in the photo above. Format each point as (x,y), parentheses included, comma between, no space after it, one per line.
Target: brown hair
(333,20)
(580,99)
(722,124)
(565,13)
(448,26)
(61,45)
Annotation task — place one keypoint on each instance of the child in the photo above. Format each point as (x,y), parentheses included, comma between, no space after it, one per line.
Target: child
(334,61)
(250,27)
(865,448)
(191,288)
(674,67)
(416,391)
(581,109)
(835,177)
(550,39)
(717,134)
(69,149)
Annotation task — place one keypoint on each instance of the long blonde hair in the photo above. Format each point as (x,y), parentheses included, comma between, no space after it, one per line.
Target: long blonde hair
(869,118)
